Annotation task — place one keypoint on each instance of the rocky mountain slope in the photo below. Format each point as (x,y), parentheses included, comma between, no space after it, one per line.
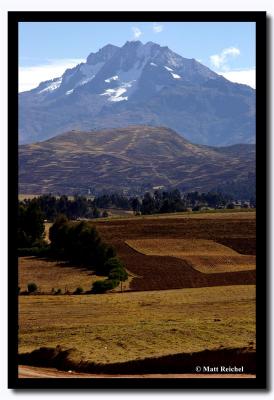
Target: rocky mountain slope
(140,84)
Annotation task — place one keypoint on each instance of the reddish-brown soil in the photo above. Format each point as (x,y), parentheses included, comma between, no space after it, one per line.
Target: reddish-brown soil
(160,272)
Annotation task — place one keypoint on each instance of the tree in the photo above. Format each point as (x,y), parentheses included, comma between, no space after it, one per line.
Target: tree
(115,270)
(32,287)
(148,204)
(104,286)
(80,243)
(58,234)
(135,204)
(78,290)
(112,263)
(30,225)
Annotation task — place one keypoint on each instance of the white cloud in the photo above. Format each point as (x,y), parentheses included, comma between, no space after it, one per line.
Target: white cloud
(247,77)
(157,28)
(31,76)
(220,60)
(136,32)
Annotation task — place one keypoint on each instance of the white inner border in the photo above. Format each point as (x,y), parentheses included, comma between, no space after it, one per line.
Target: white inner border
(108,5)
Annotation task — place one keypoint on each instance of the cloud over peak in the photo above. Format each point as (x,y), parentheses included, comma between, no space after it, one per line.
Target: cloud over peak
(157,28)
(136,32)
(220,60)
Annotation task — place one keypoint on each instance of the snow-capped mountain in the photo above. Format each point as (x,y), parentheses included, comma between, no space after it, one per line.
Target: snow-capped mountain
(140,84)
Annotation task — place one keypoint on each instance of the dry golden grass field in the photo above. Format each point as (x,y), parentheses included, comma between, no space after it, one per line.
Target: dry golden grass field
(134,325)
(55,275)
(205,263)
(50,275)
(241,213)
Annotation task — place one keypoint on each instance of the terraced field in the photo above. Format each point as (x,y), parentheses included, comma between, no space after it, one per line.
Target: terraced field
(232,237)
(209,316)
(203,255)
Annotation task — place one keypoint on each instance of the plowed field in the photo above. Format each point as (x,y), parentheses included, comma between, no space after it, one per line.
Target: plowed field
(180,247)
(168,272)
(203,255)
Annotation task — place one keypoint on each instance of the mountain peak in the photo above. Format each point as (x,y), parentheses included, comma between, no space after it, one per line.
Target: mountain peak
(104,54)
(132,43)
(145,84)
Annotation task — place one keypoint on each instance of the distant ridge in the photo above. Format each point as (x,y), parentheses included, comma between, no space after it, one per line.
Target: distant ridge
(130,160)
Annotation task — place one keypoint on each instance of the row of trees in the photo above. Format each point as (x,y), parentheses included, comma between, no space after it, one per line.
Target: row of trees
(80,243)
(83,207)
(173,201)
(51,206)
(76,242)
(33,212)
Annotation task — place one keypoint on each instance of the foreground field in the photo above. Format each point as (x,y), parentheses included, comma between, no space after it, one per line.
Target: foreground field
(129,326)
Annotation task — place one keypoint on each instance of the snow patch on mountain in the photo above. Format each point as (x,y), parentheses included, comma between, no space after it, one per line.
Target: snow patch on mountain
(53,86)
(88,72)
(83,82)
(168,69)
(113,78)
(115,94)
(153,64)
(69,92)
(175,76)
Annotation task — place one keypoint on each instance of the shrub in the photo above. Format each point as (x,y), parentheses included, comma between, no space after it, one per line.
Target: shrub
(79,290)
(104,286)
(58,291)
(34,251)
(110,264)
(32,287)
(119,274)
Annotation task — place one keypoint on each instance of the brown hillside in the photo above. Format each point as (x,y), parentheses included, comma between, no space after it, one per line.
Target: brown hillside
(135,158)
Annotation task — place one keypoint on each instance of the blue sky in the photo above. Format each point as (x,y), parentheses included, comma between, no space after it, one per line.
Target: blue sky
(46,49)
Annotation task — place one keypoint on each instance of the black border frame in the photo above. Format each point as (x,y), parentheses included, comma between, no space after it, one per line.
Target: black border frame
(14,17)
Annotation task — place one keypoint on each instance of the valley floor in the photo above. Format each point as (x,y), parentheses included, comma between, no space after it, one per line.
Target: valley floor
(211,314)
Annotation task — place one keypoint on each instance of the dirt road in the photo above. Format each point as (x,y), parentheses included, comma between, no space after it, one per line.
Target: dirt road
(35,372)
